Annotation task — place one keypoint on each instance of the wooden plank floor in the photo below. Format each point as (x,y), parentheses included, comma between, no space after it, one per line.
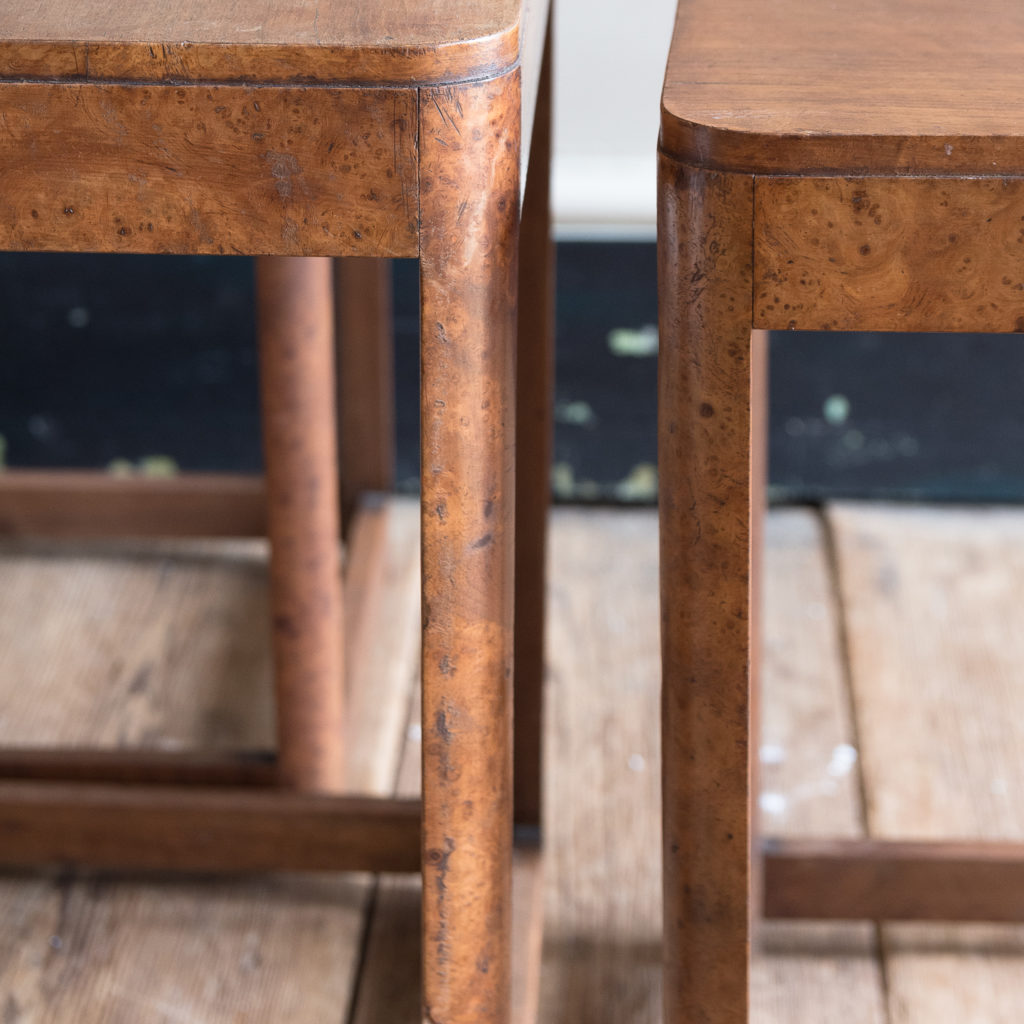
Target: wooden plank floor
(893,653)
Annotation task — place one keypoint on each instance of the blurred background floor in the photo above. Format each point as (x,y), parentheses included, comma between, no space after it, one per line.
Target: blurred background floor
(893,645)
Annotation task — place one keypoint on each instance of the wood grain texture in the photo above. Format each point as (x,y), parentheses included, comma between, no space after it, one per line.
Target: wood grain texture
(469,189)
(226,40)
(75,503)
(706,510)
(208,169)
(102,949)
(925,86)
(889,254)
(117,647)
(931,598)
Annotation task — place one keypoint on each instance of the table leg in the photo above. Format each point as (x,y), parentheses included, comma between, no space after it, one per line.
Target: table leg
(294,298)
(534,403)
(469,192)
(366,377)
(707,523)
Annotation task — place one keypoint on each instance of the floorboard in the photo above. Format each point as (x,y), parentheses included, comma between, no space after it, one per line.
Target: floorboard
(822,972)
(602,956)
(166,647)
(932,600)
(913,737)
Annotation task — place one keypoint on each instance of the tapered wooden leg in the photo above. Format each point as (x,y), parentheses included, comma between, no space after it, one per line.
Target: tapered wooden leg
(534,403)
(295,305)
(366,386)
(469,189)
(705,227)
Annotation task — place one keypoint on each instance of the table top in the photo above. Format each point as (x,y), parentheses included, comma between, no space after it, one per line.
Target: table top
(350,41)
(875,86)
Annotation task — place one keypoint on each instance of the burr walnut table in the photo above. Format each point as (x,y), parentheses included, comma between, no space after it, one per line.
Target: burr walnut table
(295,132)
(822,168)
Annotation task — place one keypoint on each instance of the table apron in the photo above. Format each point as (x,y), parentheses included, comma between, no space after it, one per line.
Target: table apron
(100,167)
(889,254)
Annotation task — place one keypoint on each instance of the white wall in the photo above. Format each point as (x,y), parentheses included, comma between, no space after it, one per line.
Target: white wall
(609,64)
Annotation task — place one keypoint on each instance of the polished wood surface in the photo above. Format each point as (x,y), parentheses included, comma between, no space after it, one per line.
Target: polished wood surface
(883,254)
(919,86)
(198,169)
(706,508)
(216,40)
(468,273)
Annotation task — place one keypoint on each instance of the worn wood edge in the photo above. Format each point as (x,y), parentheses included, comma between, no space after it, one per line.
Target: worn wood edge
(894,880)
(198,829)
(197,63)
(75,503)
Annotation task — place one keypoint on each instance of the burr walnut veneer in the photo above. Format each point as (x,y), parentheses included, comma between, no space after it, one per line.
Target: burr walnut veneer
(294,132)
(821,168)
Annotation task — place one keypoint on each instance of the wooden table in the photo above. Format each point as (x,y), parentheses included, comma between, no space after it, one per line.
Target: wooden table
(822,168)
(311,130)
